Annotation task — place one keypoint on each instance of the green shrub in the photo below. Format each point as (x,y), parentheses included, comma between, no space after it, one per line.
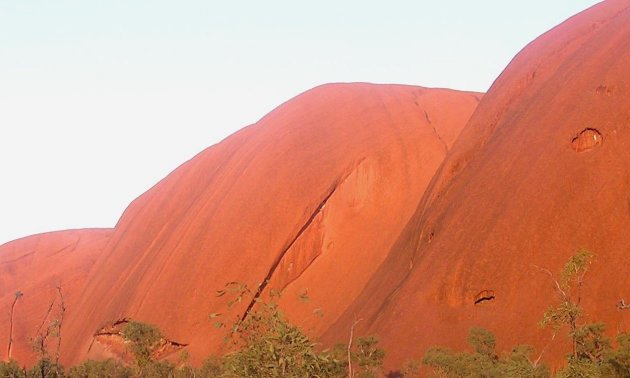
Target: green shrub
(483,362)
(97,369)
(369,357)
(268,346)
(142,338)
(211,367)
(595,355)
(46,368)
(11,369)
(618,360)
(157,369)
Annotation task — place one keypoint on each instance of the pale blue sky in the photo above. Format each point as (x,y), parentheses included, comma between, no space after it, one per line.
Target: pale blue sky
(101,99)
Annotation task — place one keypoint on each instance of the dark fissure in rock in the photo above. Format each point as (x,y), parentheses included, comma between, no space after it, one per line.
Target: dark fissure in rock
(484,296)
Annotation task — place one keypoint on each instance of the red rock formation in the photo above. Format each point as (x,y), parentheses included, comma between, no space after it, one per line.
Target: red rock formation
(312,196)
(540,171)
(35,269)
(334,197)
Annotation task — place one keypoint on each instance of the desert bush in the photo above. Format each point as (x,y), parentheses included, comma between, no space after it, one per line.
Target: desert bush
(618,360)
(484,361)
(596,356)
(157,369)
(142,338)
(211,367)
(567,312)
(592,354)
(46,368)
(96,369)
(368,357)
(11,369)
(269,346)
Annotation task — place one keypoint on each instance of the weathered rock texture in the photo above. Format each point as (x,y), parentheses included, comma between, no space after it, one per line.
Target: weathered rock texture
(541,170)
(311,198)
(45,272)
(366,202)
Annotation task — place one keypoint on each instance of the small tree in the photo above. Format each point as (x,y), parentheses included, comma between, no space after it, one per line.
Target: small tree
(369,357)
(143,338)
(50,327)
(592,353)
(569,288)
(46,368)
(266,345)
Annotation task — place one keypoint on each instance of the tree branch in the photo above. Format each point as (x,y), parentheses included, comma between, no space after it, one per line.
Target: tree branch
(350,372)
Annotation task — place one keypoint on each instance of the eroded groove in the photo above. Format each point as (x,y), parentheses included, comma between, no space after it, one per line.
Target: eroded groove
(426,115)
(17,258)
(278,259)
(430,123)
(71,246)
(439,137)
(428,119)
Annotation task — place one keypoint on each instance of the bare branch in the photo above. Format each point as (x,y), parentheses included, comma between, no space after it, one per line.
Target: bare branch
(544,349)
(350,372)
(62,310)
(18,294)
(562,293)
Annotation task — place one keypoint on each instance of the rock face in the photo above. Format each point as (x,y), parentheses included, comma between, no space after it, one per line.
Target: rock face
(541,170)
(45,272)
(313,195)
(373,202)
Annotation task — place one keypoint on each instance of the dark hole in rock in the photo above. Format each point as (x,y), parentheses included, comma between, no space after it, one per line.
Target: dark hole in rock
(484,296)
(586,140)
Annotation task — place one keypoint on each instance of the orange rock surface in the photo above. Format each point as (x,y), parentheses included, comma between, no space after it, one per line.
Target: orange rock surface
(540,171)
(42,270)
(311,198)
(373,202)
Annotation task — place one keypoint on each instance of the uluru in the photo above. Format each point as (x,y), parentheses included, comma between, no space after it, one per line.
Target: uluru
(410,213)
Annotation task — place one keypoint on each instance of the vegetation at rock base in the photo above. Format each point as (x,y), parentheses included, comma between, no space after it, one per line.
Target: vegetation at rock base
(142,339)
(95,369)
(11,369)
(592,355)
(596,358)
(264,344)
(484,361)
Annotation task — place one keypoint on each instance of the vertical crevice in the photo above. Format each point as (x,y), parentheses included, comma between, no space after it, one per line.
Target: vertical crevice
(284,251)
